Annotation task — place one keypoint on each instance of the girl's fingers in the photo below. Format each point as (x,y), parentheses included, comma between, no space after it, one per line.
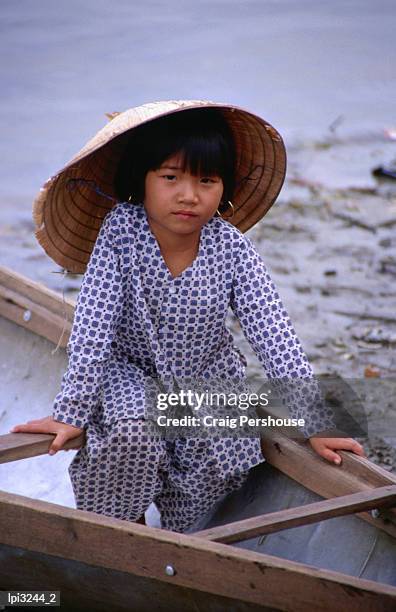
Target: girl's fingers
(22,427)
(49,426)
(345,444)
(44,425)
(32,428)
(326,447)
(330,455)
(57,443)
(358,449)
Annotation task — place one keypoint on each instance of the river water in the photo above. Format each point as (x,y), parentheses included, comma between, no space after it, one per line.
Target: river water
(299,63)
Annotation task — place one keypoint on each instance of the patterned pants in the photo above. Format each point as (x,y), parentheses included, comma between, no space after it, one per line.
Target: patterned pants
(122,469)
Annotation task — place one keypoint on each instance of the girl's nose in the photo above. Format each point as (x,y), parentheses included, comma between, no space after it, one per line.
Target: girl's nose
(188,191)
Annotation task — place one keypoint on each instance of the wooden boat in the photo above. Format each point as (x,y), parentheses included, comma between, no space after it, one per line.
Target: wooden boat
(269,546)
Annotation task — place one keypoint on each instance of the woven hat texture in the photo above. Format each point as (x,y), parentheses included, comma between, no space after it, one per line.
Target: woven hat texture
(72,204)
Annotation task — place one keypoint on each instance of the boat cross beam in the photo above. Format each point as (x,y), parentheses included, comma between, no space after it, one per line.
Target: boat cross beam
(381,497)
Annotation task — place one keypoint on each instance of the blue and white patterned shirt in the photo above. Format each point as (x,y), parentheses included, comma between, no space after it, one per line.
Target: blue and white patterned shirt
(133,320)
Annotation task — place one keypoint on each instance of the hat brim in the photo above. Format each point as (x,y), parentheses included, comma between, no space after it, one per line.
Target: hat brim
(68,212)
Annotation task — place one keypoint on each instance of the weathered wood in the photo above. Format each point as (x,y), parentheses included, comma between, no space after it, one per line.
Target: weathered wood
(383,497)
(16,446)
(41,321)
(37,292)
(86,588)
(205,566)
(296,459)
(35,307)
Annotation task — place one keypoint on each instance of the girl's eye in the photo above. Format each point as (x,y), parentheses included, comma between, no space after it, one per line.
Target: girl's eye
(207,179)
(169,177)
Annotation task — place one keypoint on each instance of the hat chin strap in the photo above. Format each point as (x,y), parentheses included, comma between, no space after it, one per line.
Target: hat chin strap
(73,183)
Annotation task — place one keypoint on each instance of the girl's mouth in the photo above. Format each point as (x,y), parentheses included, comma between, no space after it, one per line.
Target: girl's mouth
(185,214)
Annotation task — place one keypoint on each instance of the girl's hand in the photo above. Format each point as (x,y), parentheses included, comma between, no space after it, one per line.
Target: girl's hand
(48,425)
(325,447)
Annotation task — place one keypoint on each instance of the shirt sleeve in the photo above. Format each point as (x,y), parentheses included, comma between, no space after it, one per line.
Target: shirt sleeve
(96,317)
(268,329)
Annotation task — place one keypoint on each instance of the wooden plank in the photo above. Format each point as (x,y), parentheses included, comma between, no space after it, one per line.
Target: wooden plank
(382,497)
(17,446)
(41,321)
(88,588)
(49,315)
(205,566)
(297,460)
(37,292)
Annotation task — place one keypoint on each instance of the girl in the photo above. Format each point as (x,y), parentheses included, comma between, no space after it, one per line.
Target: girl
(167,263)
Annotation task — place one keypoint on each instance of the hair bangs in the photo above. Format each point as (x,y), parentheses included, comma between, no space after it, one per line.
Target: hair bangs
(200,137)
(203,156)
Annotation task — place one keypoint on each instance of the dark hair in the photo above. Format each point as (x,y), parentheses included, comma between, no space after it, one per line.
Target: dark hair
(203,138)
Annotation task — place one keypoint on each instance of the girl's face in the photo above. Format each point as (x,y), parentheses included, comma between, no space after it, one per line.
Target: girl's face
(177,201)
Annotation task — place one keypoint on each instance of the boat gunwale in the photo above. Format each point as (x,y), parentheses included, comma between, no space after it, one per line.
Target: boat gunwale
(103,541)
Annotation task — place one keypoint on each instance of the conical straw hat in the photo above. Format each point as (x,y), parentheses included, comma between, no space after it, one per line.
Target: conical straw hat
(72,204)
